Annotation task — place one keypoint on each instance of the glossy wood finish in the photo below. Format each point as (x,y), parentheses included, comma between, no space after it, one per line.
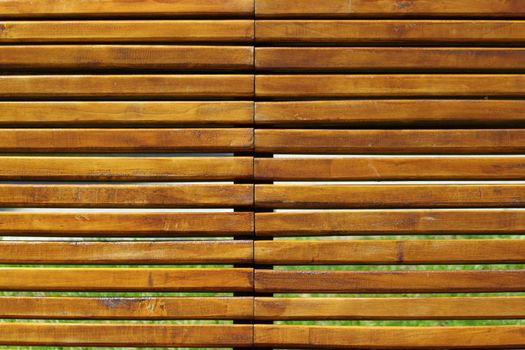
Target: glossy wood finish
(392,222)
(115,308)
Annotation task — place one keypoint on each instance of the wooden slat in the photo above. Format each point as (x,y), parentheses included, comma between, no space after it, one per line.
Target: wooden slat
(384,141)
(126,335)
(126,224)
(126,196)
(137,8)
(126,279)
(424,85)
(390,281)
(391,32)
(92,57)
(126,140)
(390,168)
(168,31)
(389,8)
(322,59)
(114,308)
(390,252)
(148,86)
(389,196)
(326,337)
(380,113)
(442,308)
(126,168)
(392,222)
(127,253)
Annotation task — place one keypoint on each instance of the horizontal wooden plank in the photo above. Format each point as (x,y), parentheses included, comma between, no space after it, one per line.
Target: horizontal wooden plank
(424,85)
(384,141)
(137,8)
(126,224)
(126,140)
(78,334)
(93,57)
(127,253)
(326,337)
(126,113)
(126,279)
(125,168)
(442,308)
(381,113)
(390,31)
(458,281)
(389,8)
(115,308)
(390,168)
(389,196)
(390,252)
(146,86)
(169,31)
(392,222)
(126,196)
(324,59)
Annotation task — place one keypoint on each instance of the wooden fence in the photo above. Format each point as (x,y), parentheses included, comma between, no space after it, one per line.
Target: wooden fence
(145,122)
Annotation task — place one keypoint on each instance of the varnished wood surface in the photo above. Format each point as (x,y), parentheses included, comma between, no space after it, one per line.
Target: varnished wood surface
(170,335)
(391,32)
(127,279)
(114,308)
(127,86)
(388,168)
(391,222)
(388,141)
(381,113)
(127,253)
(395,85)
(125,168)
(130,224)
(220,140)
(460,281)
(502,251)
(326,337)
(126,196)
(169,31)
(434,308)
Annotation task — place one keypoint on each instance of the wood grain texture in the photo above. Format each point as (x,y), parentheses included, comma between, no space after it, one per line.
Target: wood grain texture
(169,31)
(126,196)
(390,168)
(126,113)
(126,168)
(126,224)
(381,113)
(386,59)
(127,279)
(127,86)
(78,334)
(126,140)
(469,251)
(389,196)
(442,308)
(424,85)
(127,253)
(115,308)
(326,337)
(389,8)
(391,222)
(384,141)
(390,31)
(459,281)
(137,8)
(99,57)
